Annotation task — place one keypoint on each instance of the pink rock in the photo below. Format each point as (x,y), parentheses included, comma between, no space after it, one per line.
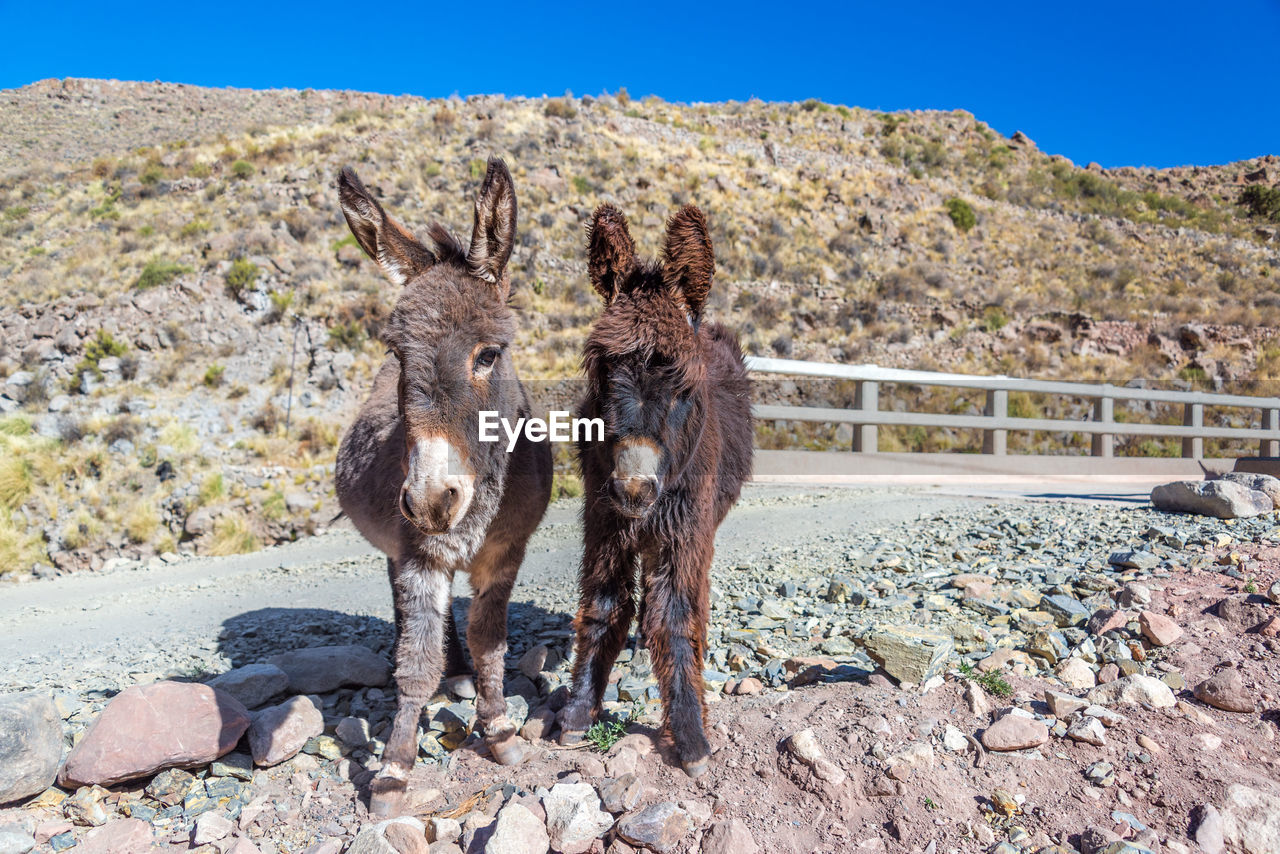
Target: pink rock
(244,846)
(1159,629)
(147,728)
(729,836)
(125,836)
(1271,628)
(1107,620)
(279,732)
(1108,673)
(1014,732)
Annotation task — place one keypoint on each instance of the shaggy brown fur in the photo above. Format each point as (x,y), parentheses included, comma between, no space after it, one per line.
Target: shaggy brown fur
(676,403)
(414,477)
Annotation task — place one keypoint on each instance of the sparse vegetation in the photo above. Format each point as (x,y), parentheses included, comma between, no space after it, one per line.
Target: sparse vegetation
(241,276)
(961,213)
(991,681)
(606,732)
(158,273)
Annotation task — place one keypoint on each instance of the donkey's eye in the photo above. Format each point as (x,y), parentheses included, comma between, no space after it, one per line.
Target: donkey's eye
(485,359)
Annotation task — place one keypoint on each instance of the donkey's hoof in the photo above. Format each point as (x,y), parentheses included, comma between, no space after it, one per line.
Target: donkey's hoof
(462,686)
(572,736)
(507,750)
(386,796)
(695,767)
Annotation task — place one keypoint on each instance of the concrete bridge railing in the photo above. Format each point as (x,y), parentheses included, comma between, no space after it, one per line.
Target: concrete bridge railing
(995,423)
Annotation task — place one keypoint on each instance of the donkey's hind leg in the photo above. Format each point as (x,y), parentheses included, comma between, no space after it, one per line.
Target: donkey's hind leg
(421,600)
(457,676)
(605,610)
(493,573)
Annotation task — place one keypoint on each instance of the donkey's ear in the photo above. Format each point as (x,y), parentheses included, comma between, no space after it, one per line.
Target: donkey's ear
(688,260)
(397,252)
(611,253)
(494,232)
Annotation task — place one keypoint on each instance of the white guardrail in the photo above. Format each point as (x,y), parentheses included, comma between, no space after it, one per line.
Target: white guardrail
(995,422)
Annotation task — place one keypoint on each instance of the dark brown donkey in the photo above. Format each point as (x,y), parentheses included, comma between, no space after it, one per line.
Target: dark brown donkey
(676,405)
(413,475)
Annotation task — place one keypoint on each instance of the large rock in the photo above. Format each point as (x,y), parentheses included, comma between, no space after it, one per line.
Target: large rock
(146,728)
(1219,498)
(1264,483)
(30,745)
(1014,732)
(1158,628)
(321,669)
(1246,610)
(1225,690)
(658,827)
(279,732)
(730,836)
(254,684)
(1135,690)
(909,653)
(1251,820)
(574,817)
(517,831)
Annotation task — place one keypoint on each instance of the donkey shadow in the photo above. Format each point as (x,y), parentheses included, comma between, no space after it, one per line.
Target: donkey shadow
(254,636)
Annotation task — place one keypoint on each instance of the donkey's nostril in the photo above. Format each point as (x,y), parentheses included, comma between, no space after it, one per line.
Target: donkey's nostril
(406,505)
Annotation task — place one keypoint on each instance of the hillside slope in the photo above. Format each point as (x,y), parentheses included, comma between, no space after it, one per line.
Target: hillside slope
(173,256)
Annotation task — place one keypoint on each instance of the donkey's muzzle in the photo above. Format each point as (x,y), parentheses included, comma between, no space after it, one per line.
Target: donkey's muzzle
(635,495)
(434,512)
(437,488)
(634,484)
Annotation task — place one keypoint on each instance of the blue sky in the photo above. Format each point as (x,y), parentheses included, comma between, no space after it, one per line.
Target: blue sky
(1121,83)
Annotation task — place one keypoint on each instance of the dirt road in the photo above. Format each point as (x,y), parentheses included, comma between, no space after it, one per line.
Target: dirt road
(98,631)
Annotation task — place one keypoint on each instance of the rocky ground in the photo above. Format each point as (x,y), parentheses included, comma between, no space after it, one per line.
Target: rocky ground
(894,672)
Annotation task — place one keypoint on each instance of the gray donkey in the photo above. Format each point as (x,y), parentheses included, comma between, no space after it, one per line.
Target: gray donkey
(416,480)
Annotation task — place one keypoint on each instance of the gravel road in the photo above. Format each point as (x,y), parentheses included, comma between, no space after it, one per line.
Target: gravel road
(95,633)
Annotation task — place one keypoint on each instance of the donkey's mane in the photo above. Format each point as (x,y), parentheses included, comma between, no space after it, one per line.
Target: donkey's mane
(449,248)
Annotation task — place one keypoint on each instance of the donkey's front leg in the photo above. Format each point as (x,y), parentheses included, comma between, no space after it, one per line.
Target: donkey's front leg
(422,599)
(493,573)
(605,610)
(676,631)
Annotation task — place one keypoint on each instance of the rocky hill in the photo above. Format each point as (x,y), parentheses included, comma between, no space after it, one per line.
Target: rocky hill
(188,325)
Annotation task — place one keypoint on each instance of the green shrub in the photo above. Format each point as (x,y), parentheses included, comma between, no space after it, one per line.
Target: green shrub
(961,214)
(17,212)
(580,185)
(195,228)
(213,376)
(1262,202)
(242,169)
(103,345)
(241,276)
(151,175)
(994,319)
(159,272)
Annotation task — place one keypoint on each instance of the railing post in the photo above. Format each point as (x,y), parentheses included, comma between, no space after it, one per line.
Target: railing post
(996,441)
(1104,411)
(1193,416)
(866,397)
(1270,422)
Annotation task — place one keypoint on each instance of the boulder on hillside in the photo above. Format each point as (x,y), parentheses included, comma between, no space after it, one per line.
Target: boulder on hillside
(1221,499)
